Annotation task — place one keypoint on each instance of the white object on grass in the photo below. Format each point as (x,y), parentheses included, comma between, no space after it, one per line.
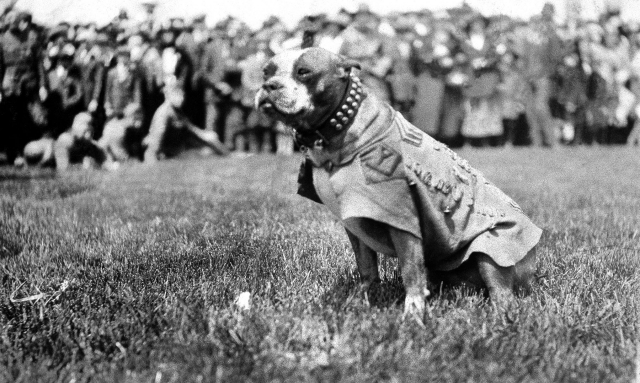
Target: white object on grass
(243,301)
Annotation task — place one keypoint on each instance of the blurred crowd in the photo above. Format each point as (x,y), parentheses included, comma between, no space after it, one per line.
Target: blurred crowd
(99,95)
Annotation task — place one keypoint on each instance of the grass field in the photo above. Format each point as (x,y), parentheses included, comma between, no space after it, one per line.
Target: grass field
(131,276)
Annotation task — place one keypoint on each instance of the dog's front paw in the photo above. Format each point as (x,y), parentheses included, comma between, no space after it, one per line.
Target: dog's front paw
(415,303)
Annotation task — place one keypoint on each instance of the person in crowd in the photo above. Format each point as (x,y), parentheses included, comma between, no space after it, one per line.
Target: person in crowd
(482,124)
(330,36)
(66,90)
(633,139)
(602,93)
(187,45)
(230,89)
(23,85)
(87,59)
(171,130)
(439,63)
(147,63)
(176,62)
(541,54)
(123,86)
(77,146)
(619,58)
(571,96)
(513,89)
(363,42)
(209,71)
(101,59)
(56,40)
(450,72)
(402,81)
(40,152)
(122,138)
(258,132)
(634,85)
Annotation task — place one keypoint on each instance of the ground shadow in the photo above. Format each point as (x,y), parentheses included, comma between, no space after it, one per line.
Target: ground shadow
(390,292)
(345,292)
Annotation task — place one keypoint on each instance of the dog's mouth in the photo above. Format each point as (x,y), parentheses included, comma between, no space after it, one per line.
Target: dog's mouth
(268,107)
(272,109)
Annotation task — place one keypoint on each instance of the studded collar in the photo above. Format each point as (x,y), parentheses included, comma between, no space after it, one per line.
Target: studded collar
(338,121)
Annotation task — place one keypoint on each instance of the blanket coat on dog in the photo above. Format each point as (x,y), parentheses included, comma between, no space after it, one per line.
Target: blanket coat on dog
(402,177)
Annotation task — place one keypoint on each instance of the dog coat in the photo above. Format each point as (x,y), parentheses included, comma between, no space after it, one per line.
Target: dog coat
(402,177)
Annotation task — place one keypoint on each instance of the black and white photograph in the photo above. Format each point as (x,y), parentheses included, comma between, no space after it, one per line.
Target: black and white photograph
(319,191)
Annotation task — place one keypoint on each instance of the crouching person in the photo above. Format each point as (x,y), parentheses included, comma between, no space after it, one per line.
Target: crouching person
(121,138)
(76,145)
(40,152)
(170,130)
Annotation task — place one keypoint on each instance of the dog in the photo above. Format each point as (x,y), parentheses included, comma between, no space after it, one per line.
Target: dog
(397,191)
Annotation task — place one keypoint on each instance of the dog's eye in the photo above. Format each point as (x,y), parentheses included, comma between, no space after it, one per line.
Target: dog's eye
(303,72)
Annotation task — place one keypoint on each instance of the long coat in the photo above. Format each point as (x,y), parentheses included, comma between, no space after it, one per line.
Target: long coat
(398,175)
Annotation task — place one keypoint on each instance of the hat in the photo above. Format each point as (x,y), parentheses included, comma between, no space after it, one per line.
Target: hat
(86,35)
(271,21)
(177,23)
(200,19)
(341,19)
(123,51)
(404,23)
(102,37)
(149,6)
(24,16)
(477,17)
(60,30)
(143,35)
(312,22)
(123,14)
(363,9)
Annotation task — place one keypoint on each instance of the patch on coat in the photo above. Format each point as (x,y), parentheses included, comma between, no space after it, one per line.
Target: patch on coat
(379,163)
(411,134)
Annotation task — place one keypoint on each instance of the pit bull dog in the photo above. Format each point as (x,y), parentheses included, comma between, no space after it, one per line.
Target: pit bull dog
(397,191)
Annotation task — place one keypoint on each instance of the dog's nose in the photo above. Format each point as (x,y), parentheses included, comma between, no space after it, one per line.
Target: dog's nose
(272,85)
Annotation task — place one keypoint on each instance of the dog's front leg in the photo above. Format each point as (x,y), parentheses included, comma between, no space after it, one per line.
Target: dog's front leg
(367,261)
(410,254)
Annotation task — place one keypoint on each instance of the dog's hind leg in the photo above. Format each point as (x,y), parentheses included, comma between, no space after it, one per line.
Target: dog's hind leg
(499,280)
(525,270)
(410,254)
(367,261)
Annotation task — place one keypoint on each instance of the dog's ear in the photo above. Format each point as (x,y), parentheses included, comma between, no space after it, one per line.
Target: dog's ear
(346,65)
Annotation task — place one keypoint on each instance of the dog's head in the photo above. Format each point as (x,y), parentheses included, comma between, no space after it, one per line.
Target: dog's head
(302,87)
